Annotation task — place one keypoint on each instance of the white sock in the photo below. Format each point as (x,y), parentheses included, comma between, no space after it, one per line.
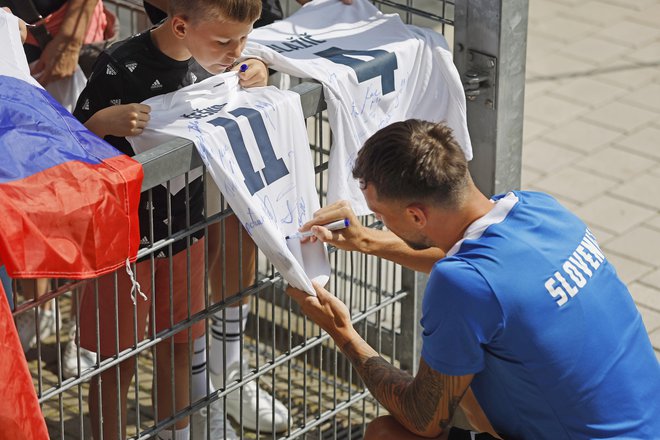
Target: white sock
(199,370)
(179,434)
(234,324)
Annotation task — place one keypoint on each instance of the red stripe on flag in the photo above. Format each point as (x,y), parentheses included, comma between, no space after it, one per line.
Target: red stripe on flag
(20,415)
(74,220)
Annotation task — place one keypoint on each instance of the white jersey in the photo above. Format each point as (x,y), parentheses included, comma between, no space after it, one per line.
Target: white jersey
(254,144)
(375,70)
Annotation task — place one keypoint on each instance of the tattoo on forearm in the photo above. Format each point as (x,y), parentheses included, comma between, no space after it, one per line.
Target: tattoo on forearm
(419,400)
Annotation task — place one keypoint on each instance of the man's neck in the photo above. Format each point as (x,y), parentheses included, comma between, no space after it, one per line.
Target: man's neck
(452,225)
(165,40)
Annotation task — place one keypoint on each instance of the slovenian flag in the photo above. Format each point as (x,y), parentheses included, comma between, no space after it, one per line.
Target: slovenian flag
(68,208)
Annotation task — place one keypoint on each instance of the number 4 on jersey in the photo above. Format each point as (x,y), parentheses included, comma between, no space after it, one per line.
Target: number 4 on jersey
(383,64)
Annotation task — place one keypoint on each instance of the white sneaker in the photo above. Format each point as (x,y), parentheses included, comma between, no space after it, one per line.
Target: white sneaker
(27,331)
(273,415)
(221,429)
(70,361)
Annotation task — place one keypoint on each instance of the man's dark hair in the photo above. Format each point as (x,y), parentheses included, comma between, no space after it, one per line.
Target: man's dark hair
(235,10)
(414,160)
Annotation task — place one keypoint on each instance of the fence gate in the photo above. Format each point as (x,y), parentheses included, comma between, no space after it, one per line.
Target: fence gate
(288,355)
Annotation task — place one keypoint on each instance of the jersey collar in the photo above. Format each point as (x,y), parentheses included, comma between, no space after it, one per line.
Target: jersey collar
(496,215)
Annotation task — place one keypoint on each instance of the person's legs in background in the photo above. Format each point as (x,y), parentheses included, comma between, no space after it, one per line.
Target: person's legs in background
(6,286)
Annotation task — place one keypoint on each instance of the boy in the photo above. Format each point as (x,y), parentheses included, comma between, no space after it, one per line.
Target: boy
(200,38)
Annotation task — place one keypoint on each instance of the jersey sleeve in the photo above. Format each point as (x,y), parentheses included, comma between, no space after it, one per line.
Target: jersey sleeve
(105,87)
(460,315)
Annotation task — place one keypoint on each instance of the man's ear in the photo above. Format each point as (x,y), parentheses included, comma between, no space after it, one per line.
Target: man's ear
(418,213)
(179,26)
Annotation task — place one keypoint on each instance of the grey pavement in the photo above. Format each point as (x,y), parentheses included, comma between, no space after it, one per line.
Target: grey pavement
(592,129)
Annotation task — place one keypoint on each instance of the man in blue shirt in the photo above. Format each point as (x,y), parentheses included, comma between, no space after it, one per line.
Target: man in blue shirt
(524,308)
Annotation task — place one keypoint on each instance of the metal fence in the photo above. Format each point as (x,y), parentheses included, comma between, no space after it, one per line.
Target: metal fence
(287,355)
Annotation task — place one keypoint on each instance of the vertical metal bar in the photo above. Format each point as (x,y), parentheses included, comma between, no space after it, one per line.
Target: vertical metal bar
(497,29)
(170,290)
(411,308)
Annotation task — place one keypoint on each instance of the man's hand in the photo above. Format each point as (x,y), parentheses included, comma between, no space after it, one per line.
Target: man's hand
(119,120)
(352,238)
(327,311)
(58,60)
(256,74)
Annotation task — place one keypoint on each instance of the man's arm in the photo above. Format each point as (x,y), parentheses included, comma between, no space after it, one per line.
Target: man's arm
(423,404)
(356,237)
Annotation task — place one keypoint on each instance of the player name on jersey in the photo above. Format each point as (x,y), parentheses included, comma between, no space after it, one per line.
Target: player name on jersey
(254,144)
(375,70)
(579,267)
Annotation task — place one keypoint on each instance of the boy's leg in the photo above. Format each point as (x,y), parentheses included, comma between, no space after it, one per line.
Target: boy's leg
(108,400)
(227,277)
(103,403)
(173,358)
(258,407)
(185,278)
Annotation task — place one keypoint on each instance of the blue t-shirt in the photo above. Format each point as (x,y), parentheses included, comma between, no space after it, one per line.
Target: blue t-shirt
(528,303)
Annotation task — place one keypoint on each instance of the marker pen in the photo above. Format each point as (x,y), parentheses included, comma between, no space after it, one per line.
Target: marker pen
(334,226)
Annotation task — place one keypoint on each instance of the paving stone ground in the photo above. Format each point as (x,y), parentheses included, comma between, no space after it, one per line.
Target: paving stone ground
(592,129)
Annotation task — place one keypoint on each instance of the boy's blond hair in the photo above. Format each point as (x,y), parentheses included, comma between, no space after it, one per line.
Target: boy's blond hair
(234,10)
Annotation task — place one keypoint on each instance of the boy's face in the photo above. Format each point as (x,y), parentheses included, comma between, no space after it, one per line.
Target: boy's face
(216,43)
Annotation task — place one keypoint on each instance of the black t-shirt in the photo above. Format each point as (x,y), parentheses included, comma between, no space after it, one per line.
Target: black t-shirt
(130,72)
(271,10)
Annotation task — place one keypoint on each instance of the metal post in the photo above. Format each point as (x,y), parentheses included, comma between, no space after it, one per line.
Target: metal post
(489,50)
(410,340)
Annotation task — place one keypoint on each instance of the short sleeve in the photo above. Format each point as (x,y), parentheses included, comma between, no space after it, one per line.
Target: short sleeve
(460,316)
(105,87)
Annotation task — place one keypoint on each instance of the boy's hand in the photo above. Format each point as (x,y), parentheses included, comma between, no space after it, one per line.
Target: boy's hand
(119,120)
(256,74)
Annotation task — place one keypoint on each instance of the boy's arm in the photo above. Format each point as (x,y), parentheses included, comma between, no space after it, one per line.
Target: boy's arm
(119,120)
(101,104)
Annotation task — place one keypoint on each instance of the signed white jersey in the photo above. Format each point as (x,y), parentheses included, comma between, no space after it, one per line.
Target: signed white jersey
(254,144)
(375,71)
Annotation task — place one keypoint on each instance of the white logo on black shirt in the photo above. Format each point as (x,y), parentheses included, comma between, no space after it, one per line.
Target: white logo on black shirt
(161,254)
(193,77)
(144,240)
(115,101)
(166,221)
(131,66)
(156,85)
(85,105)
(109,70)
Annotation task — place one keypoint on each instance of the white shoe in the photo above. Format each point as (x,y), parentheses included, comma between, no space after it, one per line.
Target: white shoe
(27,331)
(221,429)
(70,361)
(273,415)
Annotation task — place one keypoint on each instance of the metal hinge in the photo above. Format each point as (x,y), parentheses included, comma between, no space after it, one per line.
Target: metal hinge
(480,78)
